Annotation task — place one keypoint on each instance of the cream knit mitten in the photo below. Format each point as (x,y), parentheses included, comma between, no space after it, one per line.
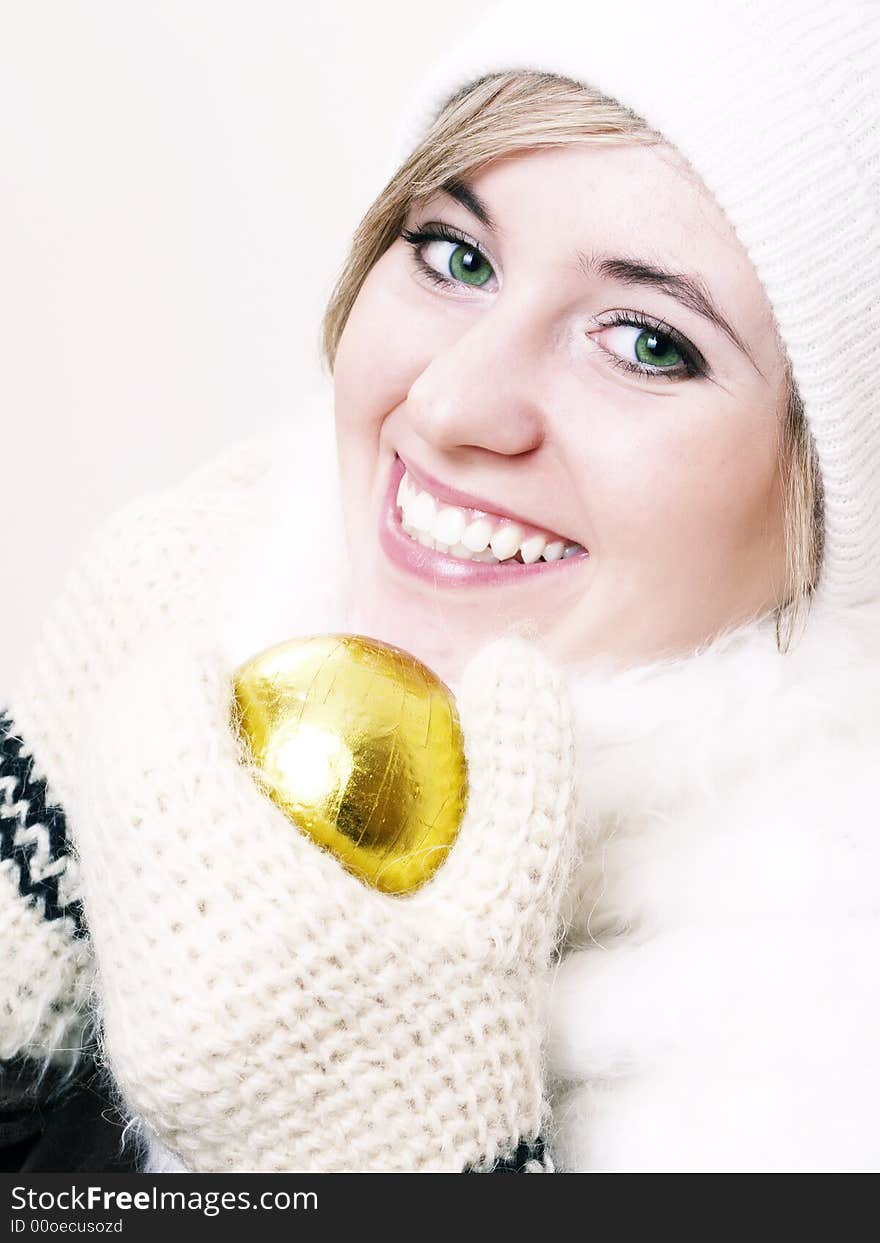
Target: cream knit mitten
(262,1009)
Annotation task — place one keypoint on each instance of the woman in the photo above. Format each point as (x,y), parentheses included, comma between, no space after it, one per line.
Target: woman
(603,382)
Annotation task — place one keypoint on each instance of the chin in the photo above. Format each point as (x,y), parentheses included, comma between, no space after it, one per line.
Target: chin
(417,625)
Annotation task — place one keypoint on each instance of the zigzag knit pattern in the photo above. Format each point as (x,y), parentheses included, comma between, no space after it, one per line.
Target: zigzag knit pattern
(46,966)
(33,831)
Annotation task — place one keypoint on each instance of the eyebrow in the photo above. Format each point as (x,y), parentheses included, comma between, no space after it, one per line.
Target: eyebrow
(690,291)
(468,197)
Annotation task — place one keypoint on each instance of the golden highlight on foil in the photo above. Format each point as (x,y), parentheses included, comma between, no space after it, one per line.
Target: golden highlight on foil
(360,745)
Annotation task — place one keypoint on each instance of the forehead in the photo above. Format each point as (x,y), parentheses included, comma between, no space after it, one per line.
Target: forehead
(595,194)
(570,205)
(641,193)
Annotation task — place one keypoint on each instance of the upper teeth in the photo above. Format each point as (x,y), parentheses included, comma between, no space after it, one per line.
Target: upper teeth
(474,536)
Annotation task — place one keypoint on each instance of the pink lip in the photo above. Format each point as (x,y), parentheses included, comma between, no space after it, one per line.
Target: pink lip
(435,567)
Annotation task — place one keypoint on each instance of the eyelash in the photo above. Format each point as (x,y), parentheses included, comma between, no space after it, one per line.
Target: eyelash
(694,364)
(420,237)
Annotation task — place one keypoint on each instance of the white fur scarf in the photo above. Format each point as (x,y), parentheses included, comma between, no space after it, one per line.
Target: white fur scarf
(717,1007)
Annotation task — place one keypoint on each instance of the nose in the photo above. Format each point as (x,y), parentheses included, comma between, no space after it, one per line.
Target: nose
(481,389)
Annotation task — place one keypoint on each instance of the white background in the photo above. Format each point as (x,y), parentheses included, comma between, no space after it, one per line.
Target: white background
(179,182)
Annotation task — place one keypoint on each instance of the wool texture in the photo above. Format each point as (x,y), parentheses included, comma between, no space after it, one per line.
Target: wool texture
(46,967)
(716,1005)
(776,105)
(260,1008)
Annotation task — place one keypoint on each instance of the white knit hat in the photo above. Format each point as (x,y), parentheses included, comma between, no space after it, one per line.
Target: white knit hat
(776,104)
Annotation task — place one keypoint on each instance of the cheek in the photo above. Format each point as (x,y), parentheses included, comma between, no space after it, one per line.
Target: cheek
(701,482)
(734,481)
(380,354)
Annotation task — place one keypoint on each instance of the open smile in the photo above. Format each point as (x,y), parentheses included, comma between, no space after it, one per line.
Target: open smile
(439,533)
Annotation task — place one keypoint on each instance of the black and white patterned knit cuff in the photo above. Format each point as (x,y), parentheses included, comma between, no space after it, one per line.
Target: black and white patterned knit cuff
(47,956)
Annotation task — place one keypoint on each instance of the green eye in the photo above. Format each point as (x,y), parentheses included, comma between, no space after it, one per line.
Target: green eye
(656,350)
(635,345)
(468,265)
(462,259)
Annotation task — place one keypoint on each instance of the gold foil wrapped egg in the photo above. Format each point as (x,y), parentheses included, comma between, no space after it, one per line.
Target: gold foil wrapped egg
(360,745)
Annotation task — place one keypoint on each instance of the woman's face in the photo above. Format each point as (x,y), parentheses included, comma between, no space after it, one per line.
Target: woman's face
(585,373)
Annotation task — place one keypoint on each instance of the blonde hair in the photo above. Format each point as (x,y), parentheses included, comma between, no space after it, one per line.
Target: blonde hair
(518,110)
(803,511)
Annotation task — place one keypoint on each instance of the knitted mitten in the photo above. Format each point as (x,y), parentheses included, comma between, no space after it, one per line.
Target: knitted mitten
(263,1010)
(151,559)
